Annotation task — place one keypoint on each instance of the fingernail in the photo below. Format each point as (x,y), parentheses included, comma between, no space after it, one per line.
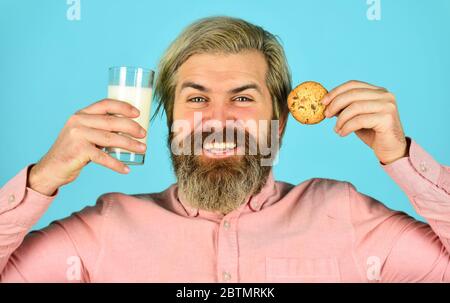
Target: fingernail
(324,100)
(142,146)
(142,131)
(126,169)
(327,113)
(135,111)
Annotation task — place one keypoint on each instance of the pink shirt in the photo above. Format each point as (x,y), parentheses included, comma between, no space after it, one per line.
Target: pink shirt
(320,230)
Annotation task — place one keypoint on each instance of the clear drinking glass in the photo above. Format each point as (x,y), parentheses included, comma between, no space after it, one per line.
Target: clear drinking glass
(133,85)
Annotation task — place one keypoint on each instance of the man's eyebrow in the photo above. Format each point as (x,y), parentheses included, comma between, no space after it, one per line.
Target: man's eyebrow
(231,91)
(245,87)
(194,85)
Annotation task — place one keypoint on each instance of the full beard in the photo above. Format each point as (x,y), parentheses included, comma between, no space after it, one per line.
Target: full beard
(219,184)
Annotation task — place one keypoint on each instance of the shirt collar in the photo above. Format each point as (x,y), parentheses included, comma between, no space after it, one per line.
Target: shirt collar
(254,202)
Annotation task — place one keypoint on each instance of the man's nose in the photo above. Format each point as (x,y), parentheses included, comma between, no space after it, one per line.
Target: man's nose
(218,112)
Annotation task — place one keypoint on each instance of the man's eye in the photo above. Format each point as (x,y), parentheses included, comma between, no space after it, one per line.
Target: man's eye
(242,99)
(197,100)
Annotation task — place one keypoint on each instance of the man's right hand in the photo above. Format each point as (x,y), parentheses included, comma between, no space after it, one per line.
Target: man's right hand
(81,140)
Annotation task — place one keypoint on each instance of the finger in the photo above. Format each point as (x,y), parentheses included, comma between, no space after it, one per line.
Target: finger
(102,158)
(112,123)
(343,100)
(345,87)
(111,106)
(110,139)
(358,108)
(367,121)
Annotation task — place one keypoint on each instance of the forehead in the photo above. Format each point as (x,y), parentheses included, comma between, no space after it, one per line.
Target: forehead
(222,69)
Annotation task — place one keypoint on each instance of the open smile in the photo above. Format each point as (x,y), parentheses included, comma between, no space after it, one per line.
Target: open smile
(220,149)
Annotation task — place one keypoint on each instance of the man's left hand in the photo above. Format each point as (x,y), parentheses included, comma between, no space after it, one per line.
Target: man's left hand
(371,112)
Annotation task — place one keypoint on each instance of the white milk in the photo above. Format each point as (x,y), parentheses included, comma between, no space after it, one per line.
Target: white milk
(140,98)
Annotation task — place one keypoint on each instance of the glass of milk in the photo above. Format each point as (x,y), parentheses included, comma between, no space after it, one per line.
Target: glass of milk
(133,85)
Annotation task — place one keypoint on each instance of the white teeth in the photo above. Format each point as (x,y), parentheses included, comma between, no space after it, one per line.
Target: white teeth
(219,145)
(230,145)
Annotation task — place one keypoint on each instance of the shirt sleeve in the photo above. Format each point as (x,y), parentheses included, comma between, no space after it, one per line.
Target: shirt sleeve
(394,247)
(65,251)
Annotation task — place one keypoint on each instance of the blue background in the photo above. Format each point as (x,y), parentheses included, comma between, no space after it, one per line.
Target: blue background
(51,67)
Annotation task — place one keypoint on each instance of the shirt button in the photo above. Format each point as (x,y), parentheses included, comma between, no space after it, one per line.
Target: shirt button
(226,276)
(423,167)
(11,198)
(226,225)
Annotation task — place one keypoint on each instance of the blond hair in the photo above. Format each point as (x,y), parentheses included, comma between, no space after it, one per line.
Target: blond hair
(222,34)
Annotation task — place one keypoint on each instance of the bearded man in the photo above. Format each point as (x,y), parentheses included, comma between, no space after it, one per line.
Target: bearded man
(227,219)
